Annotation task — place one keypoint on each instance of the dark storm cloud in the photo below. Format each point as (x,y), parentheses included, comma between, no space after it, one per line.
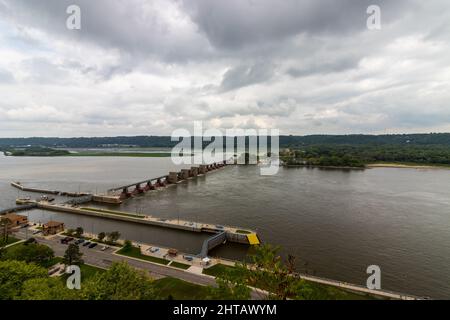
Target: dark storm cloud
(245,75)
(238,23)
(324,67)
(134,26)
(148,66)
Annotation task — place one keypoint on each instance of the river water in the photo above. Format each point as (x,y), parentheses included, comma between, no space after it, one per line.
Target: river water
(336,222)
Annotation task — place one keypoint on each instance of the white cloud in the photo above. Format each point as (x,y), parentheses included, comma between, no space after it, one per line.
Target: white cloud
(149,67)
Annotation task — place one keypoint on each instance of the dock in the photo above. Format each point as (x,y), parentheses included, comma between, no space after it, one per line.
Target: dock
(232,234)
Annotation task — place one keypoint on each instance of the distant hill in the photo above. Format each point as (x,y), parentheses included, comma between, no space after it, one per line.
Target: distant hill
(442,139)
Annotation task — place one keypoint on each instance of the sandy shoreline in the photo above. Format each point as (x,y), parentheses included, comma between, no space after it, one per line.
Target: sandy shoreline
(407,166)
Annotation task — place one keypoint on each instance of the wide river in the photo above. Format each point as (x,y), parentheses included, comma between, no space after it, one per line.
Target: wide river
(336,222)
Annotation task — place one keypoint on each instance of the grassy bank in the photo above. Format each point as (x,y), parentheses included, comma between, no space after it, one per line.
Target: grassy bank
(10,240)
(315,291)
(120,154)
(171,288)
(118,213)
(180,265)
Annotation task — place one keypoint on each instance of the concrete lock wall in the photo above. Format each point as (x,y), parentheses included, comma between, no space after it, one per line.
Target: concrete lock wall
(185,173)
(194,171)
(173,177)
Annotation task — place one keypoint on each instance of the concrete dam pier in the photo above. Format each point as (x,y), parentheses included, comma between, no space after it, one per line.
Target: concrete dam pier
(133,189)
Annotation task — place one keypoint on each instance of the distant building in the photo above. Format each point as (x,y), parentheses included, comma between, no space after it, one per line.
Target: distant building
(15,219)
(9,222)
(52,227)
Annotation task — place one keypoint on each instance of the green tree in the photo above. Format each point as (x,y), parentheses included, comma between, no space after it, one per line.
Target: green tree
(231,285)
(119,282)
(113,236)
(72,256)
(266,270)
(32,252)
(4,223)
(79,232)
(101,236)
(47,289)
(13,275)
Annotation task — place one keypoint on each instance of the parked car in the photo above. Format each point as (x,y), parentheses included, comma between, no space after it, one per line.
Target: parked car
(153,249)
(104,248)
(86,244)
(188,258)
(79,241)
(92,245)
(37,231)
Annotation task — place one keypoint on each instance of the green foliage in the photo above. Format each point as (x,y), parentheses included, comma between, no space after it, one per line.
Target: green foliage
(79,232)
(127,245)
(442,139)
(360,155)
(231,285)
(33,252)
(47,289)
(37,152)
(13,275)
(268,271)
(120,282)
(175,289)
(73,255)
(101,236)
(113,236)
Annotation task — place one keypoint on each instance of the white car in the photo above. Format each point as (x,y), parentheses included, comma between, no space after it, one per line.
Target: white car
(104,248)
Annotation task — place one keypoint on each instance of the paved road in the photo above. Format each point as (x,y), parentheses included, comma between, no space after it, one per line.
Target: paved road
(104,259)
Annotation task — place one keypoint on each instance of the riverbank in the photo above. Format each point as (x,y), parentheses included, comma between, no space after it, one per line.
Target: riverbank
(120,154)
(406,166)
(373,166)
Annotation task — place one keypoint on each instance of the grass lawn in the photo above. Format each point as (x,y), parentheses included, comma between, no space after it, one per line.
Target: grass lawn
(136,253)
(320,291)
(52,262)
(119,213)
(180,290)
(87,272)
(216,270)
(180,265)
(10,240)
(316,291)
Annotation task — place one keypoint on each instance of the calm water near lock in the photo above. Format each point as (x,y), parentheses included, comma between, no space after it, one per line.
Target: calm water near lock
(337,222)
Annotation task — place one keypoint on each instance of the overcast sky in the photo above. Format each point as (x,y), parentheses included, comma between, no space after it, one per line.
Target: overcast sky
(142,67)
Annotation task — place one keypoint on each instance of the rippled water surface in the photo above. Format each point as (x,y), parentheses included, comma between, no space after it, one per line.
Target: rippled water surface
(336,222)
